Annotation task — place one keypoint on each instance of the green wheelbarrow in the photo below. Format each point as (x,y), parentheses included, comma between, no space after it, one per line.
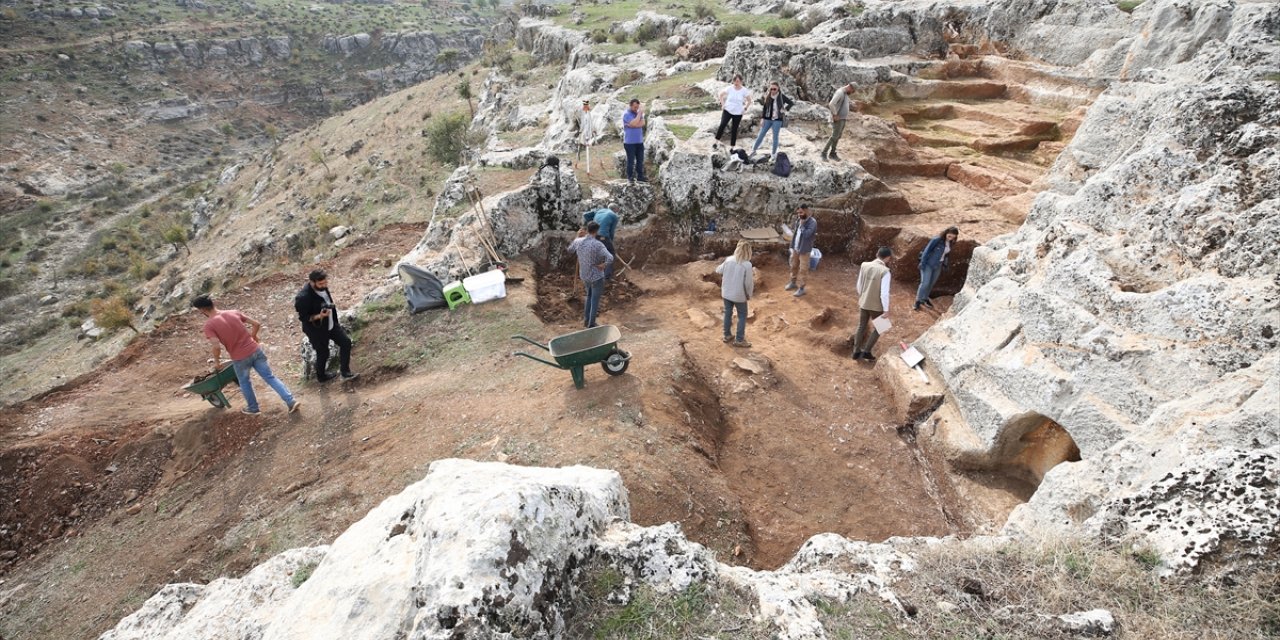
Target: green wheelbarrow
(574,351)
(210,386)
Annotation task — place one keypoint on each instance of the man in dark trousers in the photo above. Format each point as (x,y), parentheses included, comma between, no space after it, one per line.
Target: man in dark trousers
(319,317)
(873,301)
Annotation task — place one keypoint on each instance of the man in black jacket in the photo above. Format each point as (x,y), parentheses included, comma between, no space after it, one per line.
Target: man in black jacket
(319,317)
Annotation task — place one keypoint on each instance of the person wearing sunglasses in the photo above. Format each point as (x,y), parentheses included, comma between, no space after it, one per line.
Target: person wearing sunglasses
(776,104)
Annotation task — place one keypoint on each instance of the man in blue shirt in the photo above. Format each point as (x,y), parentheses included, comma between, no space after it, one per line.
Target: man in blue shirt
(593,260)
(608,221)
(633,140)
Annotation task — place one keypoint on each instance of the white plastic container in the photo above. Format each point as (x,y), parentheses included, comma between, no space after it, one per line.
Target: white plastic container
(486,286)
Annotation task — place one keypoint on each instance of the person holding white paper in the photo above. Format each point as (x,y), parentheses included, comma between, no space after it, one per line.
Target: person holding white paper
(873,301)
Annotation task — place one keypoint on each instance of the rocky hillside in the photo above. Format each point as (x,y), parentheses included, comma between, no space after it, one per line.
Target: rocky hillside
(1113,346)
(118,117)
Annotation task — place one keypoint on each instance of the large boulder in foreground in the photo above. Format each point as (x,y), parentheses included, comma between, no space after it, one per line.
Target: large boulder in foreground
(474,550)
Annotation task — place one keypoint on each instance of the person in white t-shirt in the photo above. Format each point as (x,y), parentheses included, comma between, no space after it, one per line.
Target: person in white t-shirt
(733,101)
(586,132)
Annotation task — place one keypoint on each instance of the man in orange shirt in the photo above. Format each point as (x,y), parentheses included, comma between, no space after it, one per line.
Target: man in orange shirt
(227,329)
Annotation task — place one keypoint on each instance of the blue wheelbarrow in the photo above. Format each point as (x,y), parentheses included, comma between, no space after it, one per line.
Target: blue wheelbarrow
(574,351)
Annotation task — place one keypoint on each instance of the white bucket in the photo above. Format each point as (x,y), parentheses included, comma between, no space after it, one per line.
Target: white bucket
(486,286)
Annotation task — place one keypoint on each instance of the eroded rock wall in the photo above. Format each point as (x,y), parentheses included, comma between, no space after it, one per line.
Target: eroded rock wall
(1138,307)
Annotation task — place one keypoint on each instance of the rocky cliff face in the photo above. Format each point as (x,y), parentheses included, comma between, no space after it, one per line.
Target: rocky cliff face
(1137,307)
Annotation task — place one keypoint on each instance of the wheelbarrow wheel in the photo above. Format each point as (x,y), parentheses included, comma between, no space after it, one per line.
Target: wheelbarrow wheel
(216,401)
(616,364)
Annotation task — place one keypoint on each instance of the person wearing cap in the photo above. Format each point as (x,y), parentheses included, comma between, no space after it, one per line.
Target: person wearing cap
(586,131)
(873,301)
(804,227)
(633,140)
(608,221)
(839,107)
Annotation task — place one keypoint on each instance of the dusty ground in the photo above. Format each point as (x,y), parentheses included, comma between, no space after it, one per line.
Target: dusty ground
(120,482)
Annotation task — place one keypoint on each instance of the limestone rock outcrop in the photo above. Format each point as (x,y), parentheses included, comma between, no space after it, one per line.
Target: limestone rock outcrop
(1137,306)
(697,190)
(487,550)
(472,550)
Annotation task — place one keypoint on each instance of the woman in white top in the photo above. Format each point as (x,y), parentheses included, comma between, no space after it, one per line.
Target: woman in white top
(733,101)
(736,288)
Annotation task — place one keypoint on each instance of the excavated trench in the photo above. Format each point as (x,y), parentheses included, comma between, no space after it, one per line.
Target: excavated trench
(805,439)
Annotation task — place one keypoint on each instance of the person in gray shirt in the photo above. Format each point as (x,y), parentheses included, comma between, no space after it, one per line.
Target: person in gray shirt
(593,261)
(839,107)
(736,288)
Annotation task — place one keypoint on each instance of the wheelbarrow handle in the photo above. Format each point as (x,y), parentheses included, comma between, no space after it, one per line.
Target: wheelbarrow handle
(546,362)
(536,344)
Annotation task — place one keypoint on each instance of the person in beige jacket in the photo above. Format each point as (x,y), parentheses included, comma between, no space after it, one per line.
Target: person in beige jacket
(873,301)
(736,289)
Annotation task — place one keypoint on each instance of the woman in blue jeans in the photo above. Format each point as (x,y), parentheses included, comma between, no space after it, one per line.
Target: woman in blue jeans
(736,288)
(932,260)
(776,105)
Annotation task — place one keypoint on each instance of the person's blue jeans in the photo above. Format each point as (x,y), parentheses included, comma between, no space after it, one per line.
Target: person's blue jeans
(765,127)
(608,245)
(729,306)
(592,305)
(635,161)
(258,362)
(928,276)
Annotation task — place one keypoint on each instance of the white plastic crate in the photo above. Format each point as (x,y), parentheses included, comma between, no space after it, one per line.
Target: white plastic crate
(486,286)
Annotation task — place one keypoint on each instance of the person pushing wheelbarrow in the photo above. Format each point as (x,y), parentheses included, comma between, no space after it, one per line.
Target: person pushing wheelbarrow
(227,329)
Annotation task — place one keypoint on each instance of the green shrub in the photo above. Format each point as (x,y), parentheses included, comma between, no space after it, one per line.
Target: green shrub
(703,12)
(626,77)
(112,313)
(447,138)
(729,33)
(645,32)
(599,36)
(619,37)
(303,573)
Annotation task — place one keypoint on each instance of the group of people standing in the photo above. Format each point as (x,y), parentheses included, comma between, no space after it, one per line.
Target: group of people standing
(872,286)
(775,104)
(734,100)
(238,333)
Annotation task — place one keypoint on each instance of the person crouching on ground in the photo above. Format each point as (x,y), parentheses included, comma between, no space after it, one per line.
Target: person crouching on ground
(227,329)
(932,261)
(873,301)
(736,289)
(776,105)
(593,261)
(319,317)
(804,228)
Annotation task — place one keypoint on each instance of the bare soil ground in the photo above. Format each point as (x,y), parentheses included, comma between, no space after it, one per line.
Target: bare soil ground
(119,482)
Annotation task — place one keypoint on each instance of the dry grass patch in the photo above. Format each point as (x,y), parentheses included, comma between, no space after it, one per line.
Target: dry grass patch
(1013,591)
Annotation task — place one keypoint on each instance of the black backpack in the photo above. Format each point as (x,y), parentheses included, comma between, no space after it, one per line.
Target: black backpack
(782,165)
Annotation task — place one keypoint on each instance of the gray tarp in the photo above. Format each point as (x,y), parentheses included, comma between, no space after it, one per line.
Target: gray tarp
(421,289)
